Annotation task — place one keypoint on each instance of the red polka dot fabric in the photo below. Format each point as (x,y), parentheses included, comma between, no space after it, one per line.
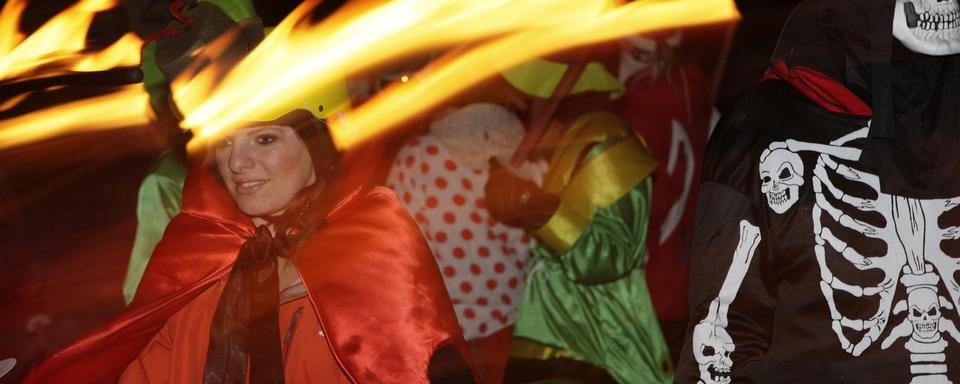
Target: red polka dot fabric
(481,259)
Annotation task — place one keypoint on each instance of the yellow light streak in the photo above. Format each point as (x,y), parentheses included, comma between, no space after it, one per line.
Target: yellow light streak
(59,47)
(125,107)
(398,104)
(123,53)
(298,57)
(58,43)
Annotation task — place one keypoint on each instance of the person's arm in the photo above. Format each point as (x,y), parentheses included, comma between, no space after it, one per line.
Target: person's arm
(731,308)
(732,297)
(611,245)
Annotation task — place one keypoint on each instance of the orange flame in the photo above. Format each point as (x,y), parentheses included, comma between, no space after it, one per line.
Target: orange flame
(399,103)
(59,47)
(59,42)
(125,107)
(299,57)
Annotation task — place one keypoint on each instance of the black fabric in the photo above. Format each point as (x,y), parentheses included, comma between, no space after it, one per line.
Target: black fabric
(780,321)
(447,366)
(246,324)
(914,97)
(555,371)
(867,220)
(178,53)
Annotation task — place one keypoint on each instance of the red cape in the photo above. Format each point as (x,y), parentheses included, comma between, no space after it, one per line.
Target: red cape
(369,273)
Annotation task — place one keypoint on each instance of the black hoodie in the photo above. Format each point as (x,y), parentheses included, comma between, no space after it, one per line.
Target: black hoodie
(832,235)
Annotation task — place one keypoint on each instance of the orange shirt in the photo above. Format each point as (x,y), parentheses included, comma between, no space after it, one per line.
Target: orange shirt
(177,354)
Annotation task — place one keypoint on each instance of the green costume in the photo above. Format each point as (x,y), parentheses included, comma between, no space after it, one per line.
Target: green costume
(586,296)
(158,201)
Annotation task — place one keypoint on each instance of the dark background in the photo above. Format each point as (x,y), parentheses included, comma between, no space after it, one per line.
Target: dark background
(67,205)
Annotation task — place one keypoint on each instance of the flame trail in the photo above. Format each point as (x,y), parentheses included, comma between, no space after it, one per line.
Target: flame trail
(300,57)
(58,48)
(59,43)
(398,104)
(125,107)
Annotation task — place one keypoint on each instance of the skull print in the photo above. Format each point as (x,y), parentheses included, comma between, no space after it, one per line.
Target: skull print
(924,312)
(713,353)
(781,176)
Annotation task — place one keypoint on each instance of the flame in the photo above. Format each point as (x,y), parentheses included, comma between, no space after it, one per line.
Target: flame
(59,47)
(299,57)
(400,103)
(123,108)
(59,43)
(123,53)
(299,51)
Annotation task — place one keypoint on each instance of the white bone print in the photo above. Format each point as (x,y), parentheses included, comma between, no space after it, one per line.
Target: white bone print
(913,258)
(712,345)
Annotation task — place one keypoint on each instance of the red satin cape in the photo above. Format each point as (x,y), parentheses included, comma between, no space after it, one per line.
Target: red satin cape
(368,271)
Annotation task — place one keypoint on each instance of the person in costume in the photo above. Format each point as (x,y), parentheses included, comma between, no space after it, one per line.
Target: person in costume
(271,273)
(825,246)
(276,268)
(166,53)
(666,101)
(586,315)
(440,177)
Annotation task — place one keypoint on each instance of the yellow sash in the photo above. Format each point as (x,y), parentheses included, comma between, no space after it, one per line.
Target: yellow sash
(601,181)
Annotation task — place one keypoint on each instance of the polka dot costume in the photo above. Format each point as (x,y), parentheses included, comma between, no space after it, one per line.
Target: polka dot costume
(482,261)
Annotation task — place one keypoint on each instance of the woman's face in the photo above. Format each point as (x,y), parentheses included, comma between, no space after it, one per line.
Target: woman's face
(263,168)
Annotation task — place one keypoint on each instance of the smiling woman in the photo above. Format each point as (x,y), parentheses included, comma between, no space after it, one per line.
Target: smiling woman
(273,271)
(263,167)
(271,274)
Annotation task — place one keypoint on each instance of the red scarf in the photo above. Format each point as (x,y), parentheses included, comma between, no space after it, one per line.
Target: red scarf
(820,88)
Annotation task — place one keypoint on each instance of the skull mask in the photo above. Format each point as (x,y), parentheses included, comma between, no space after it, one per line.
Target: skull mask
(781,176)
(929,27)
(924,313)
(711,348)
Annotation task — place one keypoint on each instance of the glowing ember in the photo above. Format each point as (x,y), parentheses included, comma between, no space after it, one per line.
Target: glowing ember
(299,57)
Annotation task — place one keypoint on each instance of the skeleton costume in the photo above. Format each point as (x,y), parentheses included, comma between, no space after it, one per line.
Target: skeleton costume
(826,238)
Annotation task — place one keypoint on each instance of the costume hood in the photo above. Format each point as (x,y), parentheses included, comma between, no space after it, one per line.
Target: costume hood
(915,121)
